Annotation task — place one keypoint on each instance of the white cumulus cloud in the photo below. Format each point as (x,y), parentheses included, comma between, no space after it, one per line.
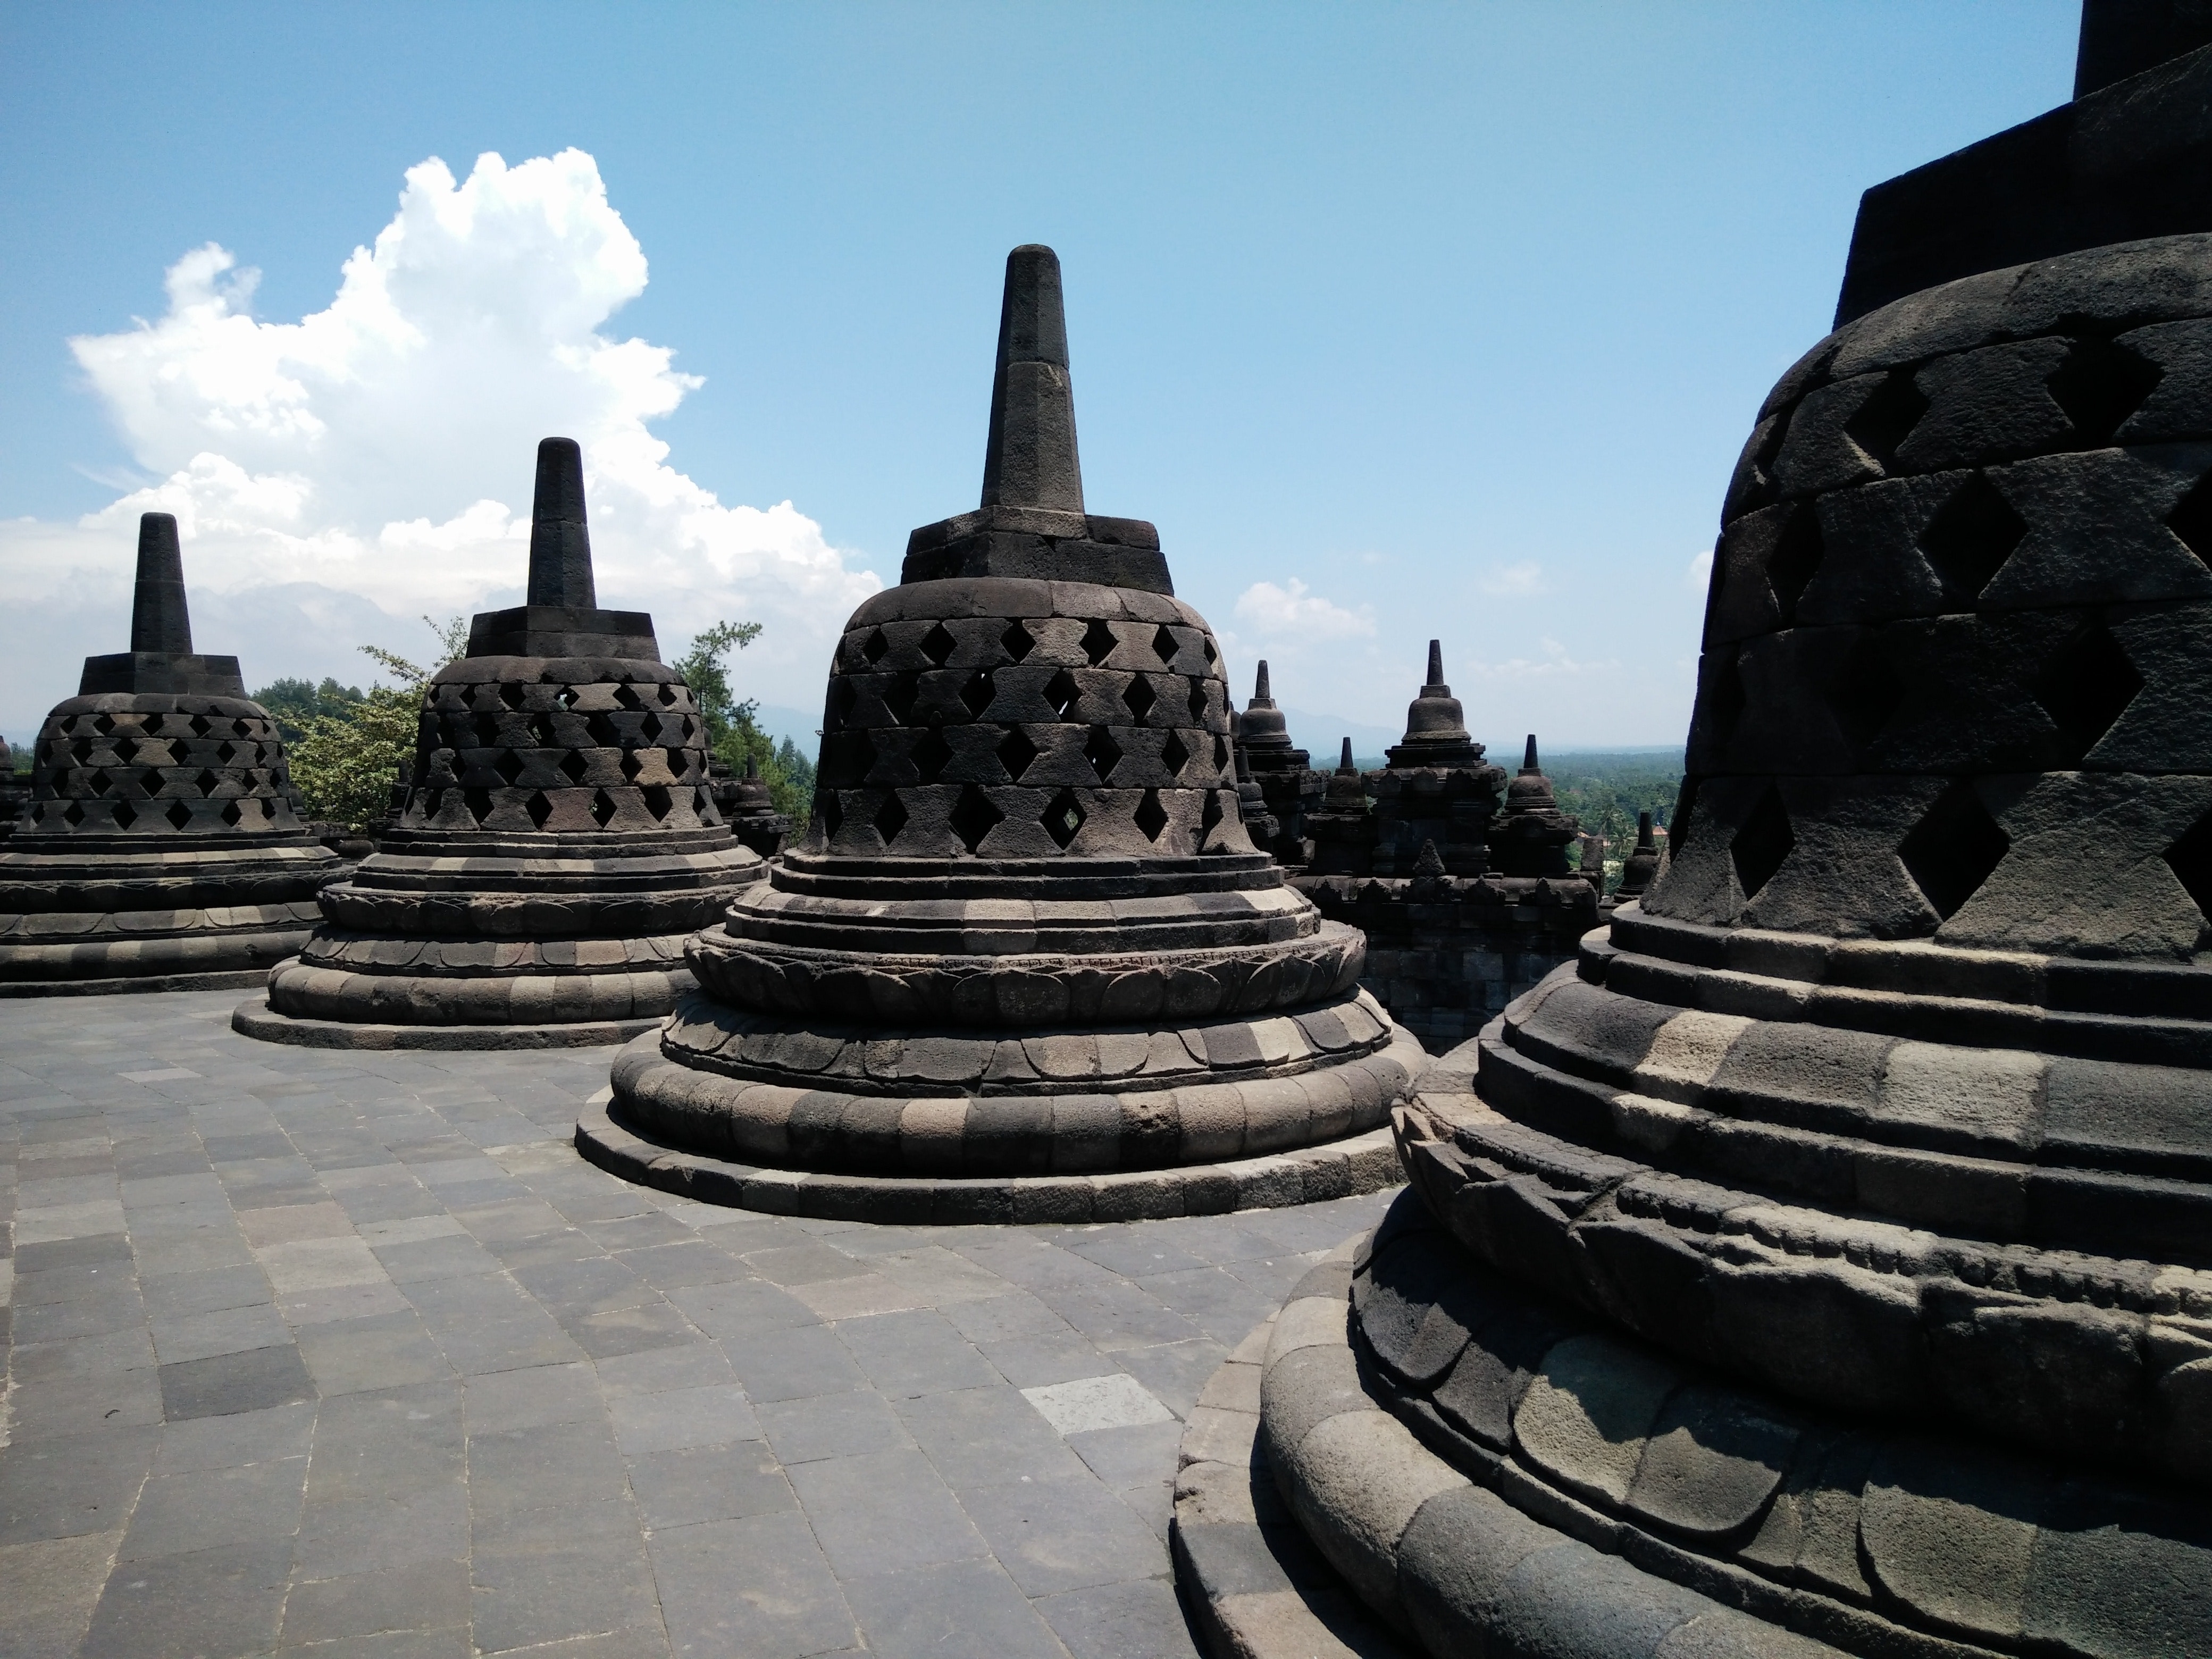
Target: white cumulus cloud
(1515,580)
(1700,571)
(378,456)
(1299,615)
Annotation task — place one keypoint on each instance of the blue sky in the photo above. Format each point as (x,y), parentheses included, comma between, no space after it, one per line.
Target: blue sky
(1400,320)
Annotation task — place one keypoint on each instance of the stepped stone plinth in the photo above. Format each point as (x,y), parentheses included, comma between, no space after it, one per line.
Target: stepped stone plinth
(1025,963)
(555,844)
(161,845)
(1289,786)
(1823,1261)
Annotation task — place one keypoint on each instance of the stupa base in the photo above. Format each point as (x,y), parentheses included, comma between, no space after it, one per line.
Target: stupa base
(134,985)
(254,1017)
(1341,1168)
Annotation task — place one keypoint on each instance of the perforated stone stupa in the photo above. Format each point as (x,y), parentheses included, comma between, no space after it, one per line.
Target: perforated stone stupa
(1025,964)
(1824,1263)
(161,847)
(555,842)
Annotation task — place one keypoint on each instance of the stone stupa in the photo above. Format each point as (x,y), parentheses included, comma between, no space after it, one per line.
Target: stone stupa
(1288,784)
(1025,963)
(161,847)
(1824,1263)
(556,843)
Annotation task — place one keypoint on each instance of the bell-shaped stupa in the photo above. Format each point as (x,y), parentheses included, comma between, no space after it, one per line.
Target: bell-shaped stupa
(1025,964)
(161,846)
(1288,784)
(1824,1263)
(557,840)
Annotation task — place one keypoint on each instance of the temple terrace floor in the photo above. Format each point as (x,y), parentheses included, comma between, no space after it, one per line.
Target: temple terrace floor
(353,1352)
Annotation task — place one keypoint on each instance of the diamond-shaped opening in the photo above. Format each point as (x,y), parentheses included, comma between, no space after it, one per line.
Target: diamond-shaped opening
(2100,384)
(2191,519)
(668,694)
(1140,697)
(74,813)
(1063,817)
(1174,755)
(1969,538)
(82,749)
(1209,816)
(631,765)
(686,729)
(649,727)
(678,760)
(1211,654)
(976,695)
(103,724)
(1017,641)
(1098,642)
(1063,693)
(1952,849)
(828,809)
(539,808)
(890,818)
(509,766)
(2191,860)
(541,731)
(626,697)
(226,751)
(1197,703)
(568,696)
(1016,751)
(603,807)
(99,781)
(938,644)
(126,815)
(478,801)
(1103,752)
(1220,754)
(178,814)
(973,817)
(1797,555)
(929,756)
(1866,690)
(1165,645)
(510,694)
(2085,687)
(231,815)
(657,800)
(603,730)
(1151,817)
(1762,843)
(200,725)
(899,695)
(844,694)
(572,767)
(126,750)
(207,782)
(876,647)
(1884,420)
(487,730)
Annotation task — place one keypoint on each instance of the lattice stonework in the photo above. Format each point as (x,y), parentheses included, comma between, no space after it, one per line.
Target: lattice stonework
(172,765)
(1025,735)
(624,751)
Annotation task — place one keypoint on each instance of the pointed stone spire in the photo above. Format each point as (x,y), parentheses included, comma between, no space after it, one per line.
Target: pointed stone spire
(1262,726)
(1031,459)
(1643,863)
(560,543)
(1531,839)
(1344,762)
(159,620)
(1437,669)
(1528,766)
(1435,718)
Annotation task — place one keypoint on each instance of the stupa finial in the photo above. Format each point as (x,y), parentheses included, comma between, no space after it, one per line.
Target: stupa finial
(159,620)
(560,543)
(1528,758)
(1260,694)
(1344,764)
(1030,460)
(1436,667)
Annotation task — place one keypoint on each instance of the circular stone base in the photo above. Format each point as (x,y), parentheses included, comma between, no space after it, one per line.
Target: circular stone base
(1360,1164)
(254,1017)
(234,980)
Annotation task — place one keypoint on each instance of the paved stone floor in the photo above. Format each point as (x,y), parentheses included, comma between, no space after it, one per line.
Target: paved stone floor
(353,1352)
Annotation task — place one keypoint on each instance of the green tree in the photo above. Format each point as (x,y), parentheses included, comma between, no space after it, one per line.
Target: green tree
(732,733)
(292,703)
(346,763)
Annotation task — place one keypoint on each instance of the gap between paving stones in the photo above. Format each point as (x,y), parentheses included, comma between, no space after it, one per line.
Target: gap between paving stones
(352,1351)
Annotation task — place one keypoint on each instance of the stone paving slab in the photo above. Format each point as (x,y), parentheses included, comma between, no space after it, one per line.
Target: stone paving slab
(351,1351)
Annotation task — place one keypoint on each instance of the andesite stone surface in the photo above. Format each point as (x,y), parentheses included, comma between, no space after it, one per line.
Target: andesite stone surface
(1026,962)
(747,807)
(160,845)
(554,842)
(1819,1263)
(1288,786)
